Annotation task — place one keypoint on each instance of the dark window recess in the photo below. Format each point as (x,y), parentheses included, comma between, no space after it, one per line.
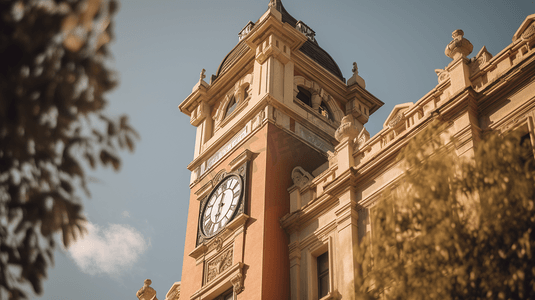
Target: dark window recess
(325,111)
(231,106)
(323,275)
(246,92)
(228,295)
(305,96)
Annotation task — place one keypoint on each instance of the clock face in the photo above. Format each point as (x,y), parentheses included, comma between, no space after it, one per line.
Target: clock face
(221,206)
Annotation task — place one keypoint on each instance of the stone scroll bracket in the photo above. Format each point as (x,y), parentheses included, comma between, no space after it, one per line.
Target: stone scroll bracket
(237,283)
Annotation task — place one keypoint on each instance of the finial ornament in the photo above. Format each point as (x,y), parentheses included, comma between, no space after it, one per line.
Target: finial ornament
(355,69)
(459,47)
(202,75)
(273,3)
(356,78)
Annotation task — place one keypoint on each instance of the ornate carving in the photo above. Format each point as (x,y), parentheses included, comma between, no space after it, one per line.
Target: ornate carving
(347,129)
(364,136)
(307,31)
(395,120)
(202,75)
(529,33)
(301,177)
(237,282)
(442,75)
(459,47)
(216,244)
(218,265)
(146,292)
(482,57)
(174,292)
(245,31)
(219,176)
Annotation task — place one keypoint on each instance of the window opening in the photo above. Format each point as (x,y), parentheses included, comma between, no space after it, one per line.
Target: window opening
(231,106)
(323,274)
(305,96)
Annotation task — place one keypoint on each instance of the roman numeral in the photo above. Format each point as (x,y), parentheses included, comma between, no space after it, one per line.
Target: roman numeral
(208,226)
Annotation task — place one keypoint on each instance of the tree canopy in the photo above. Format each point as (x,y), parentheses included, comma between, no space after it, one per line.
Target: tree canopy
(53,127)
(455,228)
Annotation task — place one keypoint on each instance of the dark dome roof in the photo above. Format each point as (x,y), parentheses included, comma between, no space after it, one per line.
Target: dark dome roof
(309,48)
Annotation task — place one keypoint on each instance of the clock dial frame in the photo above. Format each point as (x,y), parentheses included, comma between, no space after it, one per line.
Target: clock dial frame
(222,204)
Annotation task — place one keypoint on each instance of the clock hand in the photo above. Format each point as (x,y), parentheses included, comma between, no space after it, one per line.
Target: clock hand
(221,204)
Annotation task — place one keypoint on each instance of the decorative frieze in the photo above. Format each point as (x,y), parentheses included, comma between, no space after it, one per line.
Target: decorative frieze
(226,148)
(312,138)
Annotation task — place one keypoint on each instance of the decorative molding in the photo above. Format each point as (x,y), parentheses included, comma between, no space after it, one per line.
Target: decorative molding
(205,189)
(233,142)
(242,158)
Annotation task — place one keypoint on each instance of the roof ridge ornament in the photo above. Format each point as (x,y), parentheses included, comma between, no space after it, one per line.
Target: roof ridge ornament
(356,78)
(306,30)
(273,3)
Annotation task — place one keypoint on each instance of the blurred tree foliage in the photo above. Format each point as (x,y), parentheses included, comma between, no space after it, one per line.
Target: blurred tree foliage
(53,78)
(455,228)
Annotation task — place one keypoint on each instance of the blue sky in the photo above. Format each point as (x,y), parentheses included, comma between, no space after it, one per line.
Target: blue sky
(138,216)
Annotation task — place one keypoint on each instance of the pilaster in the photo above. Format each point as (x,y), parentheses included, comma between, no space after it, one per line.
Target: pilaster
(346,244)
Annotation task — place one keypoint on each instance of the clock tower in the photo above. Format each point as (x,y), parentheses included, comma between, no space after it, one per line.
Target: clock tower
(266,123)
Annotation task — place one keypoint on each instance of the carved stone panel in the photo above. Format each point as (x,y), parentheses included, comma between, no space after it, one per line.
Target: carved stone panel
(219,264)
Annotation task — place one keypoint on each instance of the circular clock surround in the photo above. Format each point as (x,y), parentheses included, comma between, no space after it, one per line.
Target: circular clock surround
(221,206)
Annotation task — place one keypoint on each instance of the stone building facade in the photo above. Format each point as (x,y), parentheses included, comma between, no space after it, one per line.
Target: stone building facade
(284,170)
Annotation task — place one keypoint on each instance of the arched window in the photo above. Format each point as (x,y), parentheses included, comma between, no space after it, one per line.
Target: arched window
(305,96)
(325,111)
(231,106)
